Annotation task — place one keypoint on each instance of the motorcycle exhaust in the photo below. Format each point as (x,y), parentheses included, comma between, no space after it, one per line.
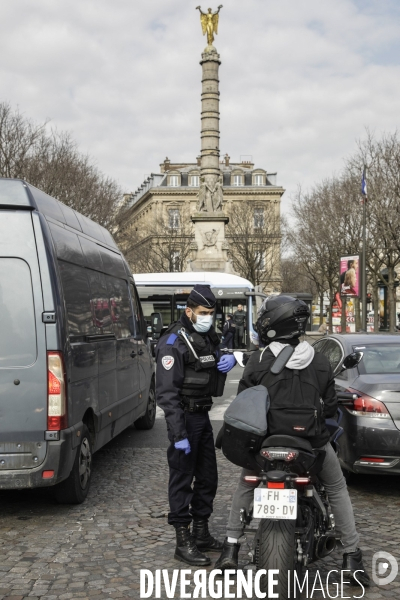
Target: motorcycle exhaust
(325,545)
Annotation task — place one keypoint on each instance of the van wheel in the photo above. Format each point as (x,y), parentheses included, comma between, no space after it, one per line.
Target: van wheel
(75,488)
(148,419)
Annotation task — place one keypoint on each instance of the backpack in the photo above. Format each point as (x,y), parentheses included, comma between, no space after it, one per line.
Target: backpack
(245,426)
(295,403)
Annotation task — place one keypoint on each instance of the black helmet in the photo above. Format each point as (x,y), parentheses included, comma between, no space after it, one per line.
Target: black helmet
(281,317)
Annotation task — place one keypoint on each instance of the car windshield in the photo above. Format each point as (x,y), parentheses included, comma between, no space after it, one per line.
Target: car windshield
(379,358)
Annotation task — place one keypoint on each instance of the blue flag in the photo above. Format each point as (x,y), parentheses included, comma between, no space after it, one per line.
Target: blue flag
(364,183)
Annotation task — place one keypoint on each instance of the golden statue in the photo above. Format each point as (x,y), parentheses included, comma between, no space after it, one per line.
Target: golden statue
(209,23)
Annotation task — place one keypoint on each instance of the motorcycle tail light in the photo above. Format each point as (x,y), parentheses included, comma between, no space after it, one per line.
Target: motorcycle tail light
(272,454)
(372,459)
(366,406)
(302,480)
(252,478)
(272,485)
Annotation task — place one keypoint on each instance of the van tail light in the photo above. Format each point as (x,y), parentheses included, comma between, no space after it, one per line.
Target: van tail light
(56,393)
(366,406)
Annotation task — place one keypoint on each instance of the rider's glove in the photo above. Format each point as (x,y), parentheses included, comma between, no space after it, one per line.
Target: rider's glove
(227,362)
(183,445)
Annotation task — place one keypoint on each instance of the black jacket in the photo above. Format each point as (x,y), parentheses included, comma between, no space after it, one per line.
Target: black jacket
(255,372)
(173,356)
(229,327)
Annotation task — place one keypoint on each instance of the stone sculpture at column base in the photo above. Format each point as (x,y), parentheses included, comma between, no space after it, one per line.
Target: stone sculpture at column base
(209,251)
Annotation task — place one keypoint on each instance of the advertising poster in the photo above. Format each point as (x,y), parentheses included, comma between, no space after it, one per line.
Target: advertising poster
(349,275)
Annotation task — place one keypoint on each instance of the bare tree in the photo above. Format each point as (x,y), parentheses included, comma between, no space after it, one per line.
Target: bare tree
(254,235)
(328,225)
(161,246)
(51,161)
(382,157)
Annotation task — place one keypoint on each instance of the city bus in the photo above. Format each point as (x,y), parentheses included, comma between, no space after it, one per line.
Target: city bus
(166,293)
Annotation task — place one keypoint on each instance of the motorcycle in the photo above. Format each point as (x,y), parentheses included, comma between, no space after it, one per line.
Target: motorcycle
(296,525)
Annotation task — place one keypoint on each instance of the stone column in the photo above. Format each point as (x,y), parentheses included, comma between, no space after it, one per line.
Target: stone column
(210,248)
(210,62)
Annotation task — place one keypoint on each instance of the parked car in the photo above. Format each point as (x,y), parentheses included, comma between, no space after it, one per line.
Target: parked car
(75,367)
(371,439)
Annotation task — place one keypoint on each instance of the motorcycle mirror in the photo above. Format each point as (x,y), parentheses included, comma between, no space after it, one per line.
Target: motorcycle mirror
(239,358)
(352,360)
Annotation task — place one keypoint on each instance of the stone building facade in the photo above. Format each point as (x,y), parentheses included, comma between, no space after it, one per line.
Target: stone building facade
(160,211)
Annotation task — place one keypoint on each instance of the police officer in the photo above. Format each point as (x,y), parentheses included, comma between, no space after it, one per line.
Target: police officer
(190,370)
(239,320)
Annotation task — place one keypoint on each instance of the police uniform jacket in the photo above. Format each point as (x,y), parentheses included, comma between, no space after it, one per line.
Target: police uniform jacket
(174,361)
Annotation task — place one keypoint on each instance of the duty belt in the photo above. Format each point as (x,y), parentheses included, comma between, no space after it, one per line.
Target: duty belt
(194,405)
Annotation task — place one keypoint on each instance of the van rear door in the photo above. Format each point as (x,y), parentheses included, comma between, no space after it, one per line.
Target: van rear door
(23,364)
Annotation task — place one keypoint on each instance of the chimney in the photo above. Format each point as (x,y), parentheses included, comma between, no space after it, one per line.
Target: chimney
(167,163)
(227,159)
(199,160)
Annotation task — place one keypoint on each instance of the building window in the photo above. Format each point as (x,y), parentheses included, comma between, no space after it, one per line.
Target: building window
(194,181)
(173,218)
(237,180)
(175,260)
(258,217)
(260,260)
(174,180)
(258,179)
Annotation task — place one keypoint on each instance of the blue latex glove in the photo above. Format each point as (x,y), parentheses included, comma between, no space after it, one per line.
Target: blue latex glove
(183,445)
(227,362)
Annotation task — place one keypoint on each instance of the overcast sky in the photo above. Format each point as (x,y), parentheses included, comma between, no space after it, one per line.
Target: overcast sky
(300,79)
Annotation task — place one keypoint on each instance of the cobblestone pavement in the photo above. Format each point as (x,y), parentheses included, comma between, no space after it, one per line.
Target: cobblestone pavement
(96,550)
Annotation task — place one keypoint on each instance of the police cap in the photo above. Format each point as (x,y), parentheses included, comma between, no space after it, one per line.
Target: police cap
(203,296)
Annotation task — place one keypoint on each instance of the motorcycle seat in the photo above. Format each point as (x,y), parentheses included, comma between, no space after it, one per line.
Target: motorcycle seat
(286,441)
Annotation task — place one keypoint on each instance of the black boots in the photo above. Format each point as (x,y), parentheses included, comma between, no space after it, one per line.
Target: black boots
(186,550)
(352,561)
(203,538)
(229,558)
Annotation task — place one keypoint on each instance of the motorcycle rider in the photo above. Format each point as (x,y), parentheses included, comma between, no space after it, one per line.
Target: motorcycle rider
(281,321)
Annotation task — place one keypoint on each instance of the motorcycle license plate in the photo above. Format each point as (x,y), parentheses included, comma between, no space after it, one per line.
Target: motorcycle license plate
(275,504)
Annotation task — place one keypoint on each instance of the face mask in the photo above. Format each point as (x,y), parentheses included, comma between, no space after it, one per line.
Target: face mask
(203,323)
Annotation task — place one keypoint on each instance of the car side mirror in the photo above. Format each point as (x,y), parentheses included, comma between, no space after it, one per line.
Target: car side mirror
(351,361)
(156,324)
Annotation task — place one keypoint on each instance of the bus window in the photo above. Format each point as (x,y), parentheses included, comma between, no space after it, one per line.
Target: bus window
(160,304)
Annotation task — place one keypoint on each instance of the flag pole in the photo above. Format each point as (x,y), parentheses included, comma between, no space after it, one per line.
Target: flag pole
(364,252)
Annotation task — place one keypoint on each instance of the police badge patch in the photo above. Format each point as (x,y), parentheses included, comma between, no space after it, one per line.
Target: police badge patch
(167,362)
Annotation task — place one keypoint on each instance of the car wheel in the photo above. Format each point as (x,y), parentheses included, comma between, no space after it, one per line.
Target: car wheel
(148,419)
(75,488)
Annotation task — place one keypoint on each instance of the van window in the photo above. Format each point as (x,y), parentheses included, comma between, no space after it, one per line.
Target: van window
(113,263)
(67,244)
(136,309)
(17,316)
(100,302)
(77,299)
(120,306)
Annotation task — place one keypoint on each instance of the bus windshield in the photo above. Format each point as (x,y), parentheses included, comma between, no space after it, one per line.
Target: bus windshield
(170,301)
